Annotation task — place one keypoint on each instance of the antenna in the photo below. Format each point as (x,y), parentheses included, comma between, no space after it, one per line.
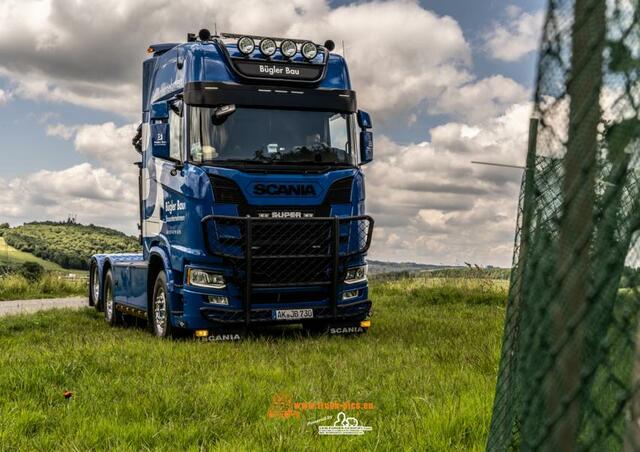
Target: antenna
(501,165)
(215,29)
(344,53)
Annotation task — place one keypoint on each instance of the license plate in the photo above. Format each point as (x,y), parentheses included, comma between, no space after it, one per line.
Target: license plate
(292,314)
(285,214)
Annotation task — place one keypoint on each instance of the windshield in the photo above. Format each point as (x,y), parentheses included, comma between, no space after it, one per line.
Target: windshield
(261,135)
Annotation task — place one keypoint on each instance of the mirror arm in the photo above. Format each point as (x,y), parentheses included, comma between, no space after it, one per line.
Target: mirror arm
(177,166)
(137,139)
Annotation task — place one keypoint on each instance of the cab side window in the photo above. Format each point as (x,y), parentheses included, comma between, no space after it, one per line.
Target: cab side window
(175,136)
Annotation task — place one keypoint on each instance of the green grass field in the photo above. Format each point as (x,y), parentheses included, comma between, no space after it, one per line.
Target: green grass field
(10,255)
(428,365)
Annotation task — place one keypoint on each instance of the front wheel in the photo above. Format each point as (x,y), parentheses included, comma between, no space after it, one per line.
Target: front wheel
(160,311)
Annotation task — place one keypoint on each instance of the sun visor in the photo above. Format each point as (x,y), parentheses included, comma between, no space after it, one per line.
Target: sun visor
(213,93)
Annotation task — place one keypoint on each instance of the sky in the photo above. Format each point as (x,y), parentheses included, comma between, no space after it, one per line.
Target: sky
(447,82)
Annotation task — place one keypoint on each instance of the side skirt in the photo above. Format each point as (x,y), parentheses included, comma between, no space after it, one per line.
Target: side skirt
(135,312)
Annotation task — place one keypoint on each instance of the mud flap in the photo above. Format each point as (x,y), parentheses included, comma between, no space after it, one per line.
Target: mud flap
(348,328)
(226,335)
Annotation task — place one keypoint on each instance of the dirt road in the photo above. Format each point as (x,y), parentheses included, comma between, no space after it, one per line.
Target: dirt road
(26,306)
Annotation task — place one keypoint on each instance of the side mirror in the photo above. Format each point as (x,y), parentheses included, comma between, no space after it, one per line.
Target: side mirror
(366,146)
(366,136)
(364,120)
(160,140)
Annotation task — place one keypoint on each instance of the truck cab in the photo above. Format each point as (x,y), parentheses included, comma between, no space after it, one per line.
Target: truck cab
(252,197)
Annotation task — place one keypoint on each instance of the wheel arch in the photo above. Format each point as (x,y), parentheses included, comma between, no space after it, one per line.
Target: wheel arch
(158,261)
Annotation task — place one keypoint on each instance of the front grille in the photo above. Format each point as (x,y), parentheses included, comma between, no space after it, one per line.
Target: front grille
(282,252)
(289,297)
(287,238)
(291,252)
(291,271)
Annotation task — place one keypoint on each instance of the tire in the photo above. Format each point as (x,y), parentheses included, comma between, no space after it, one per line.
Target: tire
(111,315)
(160,318)
(94,288)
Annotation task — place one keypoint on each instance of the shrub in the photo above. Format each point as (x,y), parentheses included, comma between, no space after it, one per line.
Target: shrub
(16,287)
(32,271)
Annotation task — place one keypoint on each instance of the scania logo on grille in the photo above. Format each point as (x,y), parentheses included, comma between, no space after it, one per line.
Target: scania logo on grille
(284,189)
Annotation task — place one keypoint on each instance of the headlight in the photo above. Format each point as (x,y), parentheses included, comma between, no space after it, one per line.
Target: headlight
(205,278)
(309,50)
(246,45)
(268,47)
(288,48)
(356,274)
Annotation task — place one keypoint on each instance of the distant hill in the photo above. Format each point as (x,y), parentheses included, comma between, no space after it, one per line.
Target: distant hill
(400,269)
(381,267)
(67,244)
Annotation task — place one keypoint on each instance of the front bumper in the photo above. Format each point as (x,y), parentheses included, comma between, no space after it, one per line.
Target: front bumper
(357,310)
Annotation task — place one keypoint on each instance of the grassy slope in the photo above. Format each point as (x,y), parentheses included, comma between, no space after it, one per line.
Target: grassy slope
(428,365)
(10,255)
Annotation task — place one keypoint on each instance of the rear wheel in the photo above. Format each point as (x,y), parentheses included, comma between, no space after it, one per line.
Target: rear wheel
(111,314)
(94,288)
(160,311)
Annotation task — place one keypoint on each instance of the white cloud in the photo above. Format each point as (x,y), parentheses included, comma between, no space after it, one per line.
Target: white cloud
(61,131)
(432,205)
(518,36)
(105,192)
(395,71)
(5,96)
(93,194)
(482,99)
(108,144)
(105,143)
(91,53)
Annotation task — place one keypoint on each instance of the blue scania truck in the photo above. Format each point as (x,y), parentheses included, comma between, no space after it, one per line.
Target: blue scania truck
(251,193)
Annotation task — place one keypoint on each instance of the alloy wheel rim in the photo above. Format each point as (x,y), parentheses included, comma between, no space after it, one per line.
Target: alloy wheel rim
(160,311)
(96,286)
(108,304)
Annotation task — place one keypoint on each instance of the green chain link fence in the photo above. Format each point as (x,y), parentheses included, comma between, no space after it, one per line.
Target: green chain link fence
(570,366)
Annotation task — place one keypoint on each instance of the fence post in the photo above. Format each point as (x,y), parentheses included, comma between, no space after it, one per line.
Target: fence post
(576,226)
(527,213)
